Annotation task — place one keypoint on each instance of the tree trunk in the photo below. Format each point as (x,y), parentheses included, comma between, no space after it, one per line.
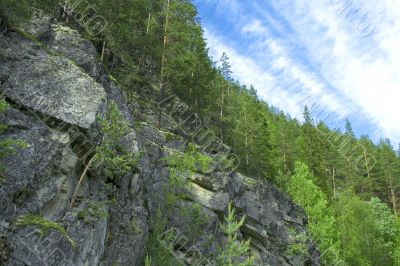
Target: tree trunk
(196,109)
(334,180)
(103,50)
(368,171)
(393,197)
(350,181)
(148,24)
(191,85)
(165,42)
(285,166)
(222,114)
(142,59)
(246,140)
(80,181)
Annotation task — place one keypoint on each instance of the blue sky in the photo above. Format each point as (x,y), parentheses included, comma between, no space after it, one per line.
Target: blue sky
(339,57)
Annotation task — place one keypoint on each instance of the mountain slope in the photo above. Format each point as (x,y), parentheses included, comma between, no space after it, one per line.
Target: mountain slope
(56,87)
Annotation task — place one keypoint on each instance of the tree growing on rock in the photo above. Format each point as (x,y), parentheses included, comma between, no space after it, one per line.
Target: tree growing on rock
(235,252)
(111,158)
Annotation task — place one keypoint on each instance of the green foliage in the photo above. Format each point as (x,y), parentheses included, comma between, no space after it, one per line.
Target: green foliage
(14,10)
(361,241)
(235,252)
(321,222)
(343,170)
(298,244)
(10,146)
(396,253)
(160,244)
(161,240)
(183,165)
(147,262)
(387,230)
(94,209)
(114,160)
(351,231)
(190,161)
(18,11)
(135,225)
(3,105)
(281,180)
(384,219)
(198,220)
(247,130)
(44,225)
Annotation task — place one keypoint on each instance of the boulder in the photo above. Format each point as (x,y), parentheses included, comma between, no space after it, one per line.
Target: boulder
(49,84)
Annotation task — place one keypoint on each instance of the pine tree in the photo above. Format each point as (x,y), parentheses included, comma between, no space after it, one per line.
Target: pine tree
(332,160)
(282,138)
(111,159)
(389,174)
(349,130)
(309,144)
(365,163)
(235,252)
(225,79)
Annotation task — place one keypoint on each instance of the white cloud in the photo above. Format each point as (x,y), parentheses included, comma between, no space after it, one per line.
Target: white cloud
(347,73)
(230,6)
(255,27)
(364,69)
(248,72)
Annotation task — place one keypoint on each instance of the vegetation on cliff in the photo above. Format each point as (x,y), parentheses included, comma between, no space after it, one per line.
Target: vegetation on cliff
(348,186)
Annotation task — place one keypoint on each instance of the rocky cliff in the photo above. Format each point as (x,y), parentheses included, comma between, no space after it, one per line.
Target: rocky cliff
(56,88)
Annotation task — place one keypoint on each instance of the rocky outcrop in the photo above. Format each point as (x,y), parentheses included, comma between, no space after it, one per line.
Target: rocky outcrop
(48,83)
(56,88)
(52,80)
(272,220)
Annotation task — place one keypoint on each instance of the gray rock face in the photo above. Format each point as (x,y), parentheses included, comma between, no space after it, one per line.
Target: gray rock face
(49,75)
(272,220)
(64,41)
(212,200)
(40,163)
(57,88)
(49,84)
(69,43)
